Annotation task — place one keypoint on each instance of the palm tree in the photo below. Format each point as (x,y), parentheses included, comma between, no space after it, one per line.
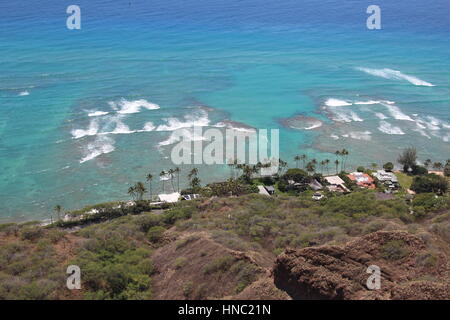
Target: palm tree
(337,165)
(149,179)
(171,172)
(303,157)
(282,165)
(177,171)
(132,192)
(437,165)
(344,154)
(58,208)
(322,166)
(327,162)
(139,188)
(311,167)
(297,158)
(427,163)
(232,165)
(162,176)
(194,181)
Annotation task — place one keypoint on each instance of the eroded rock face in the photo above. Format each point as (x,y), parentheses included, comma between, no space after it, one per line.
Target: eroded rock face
(331,272)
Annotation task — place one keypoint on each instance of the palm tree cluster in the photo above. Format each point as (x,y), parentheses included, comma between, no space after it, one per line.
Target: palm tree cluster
(193,178)
(311,166)
(137,191)
(247,171)
(171,174)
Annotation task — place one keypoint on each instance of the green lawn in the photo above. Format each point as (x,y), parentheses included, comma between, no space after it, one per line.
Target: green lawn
(404,180)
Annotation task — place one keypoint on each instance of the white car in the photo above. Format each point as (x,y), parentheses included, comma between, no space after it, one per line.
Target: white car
(317,196)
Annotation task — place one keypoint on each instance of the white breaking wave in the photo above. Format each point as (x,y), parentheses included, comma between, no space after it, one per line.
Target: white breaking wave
(395,75)
(359,135)
(396,112)
(101,145)
(314,126)
(232,126)
(126,107)
(121,128)
(97,113)
(24,93)
(388,128)
(332,102)
(173,124)
(368,102)
(148,127)
(91,131)
(185,134)
(346,116)
(380,116)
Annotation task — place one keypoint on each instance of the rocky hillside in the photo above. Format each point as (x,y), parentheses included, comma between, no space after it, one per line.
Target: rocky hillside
(408,270)
(249,247)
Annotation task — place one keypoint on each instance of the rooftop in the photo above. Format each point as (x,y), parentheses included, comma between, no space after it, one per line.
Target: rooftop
(171,197)
(336,180)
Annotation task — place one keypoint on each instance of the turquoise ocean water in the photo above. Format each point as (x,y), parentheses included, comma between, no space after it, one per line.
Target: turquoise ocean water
(84,113)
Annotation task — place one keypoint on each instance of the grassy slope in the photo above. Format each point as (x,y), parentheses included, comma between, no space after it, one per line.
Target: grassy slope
(213,248)
(404,180)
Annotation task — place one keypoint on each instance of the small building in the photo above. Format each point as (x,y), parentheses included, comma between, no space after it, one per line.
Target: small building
(190,196)
(389,179)
(336,184)
(270,189)
(169,198)
(362,180)
(315,185)
(263,191)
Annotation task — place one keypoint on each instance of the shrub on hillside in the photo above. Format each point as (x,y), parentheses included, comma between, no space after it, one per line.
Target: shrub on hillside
(430,183)
(394,250)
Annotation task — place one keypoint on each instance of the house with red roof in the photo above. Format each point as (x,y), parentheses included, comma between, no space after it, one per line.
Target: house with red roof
(362,179)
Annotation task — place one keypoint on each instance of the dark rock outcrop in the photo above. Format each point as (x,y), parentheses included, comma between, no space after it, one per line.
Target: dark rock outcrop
(332,272)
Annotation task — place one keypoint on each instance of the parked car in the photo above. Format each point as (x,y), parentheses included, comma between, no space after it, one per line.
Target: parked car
(317,196)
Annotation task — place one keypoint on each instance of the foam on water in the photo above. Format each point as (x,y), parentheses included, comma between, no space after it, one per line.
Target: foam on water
(395,75)
(198,120)
(101,145)
(97,113)
(127,107)
(388,128)
(396,113)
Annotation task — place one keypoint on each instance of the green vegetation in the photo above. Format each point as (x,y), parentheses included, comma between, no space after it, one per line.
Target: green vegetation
(430,183)
(394,250)
(116,241)
(404,180)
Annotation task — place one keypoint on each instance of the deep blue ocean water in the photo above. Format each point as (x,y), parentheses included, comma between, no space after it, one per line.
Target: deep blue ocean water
(254,62)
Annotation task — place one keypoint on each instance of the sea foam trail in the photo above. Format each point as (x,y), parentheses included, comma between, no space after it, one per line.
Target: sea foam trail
(332,102)
(101,145)
(388,128)
(395,75)
(396,113)
(173,124)
(185,134)
(359,135)
(90,131)
(97,113)
(126,107)
(346,116)
(24,93)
